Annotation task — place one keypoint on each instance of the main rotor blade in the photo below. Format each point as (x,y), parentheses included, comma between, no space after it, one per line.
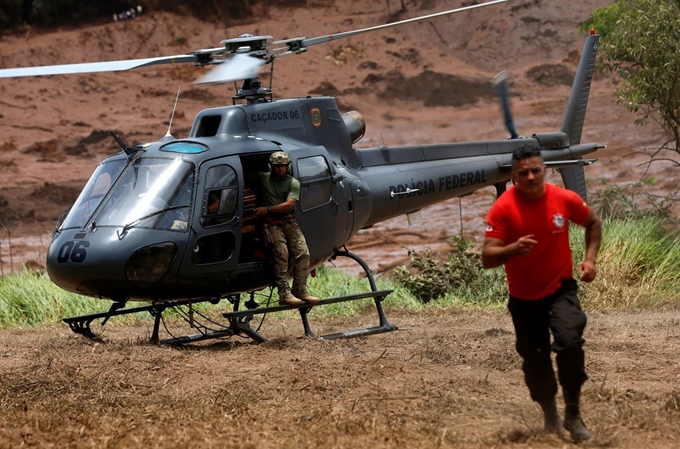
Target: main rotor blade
(90,67)
(330,37)
(239,67)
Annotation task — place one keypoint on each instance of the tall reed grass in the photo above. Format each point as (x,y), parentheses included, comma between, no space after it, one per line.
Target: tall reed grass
(30,298)
(638,266)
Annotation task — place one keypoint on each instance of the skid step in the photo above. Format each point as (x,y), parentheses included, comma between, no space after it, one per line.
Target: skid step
(381,294)
(240,320)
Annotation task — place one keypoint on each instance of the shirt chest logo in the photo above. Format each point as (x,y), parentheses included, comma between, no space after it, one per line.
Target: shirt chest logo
(558,221)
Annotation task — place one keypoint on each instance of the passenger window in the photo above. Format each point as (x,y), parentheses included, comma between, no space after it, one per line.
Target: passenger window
(215,248)
(221,196)
(315,182)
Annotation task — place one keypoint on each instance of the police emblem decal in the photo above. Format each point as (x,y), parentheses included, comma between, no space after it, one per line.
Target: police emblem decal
(558,221)
(316,117)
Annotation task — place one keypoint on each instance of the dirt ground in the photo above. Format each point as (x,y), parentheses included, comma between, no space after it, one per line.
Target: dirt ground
(445,379)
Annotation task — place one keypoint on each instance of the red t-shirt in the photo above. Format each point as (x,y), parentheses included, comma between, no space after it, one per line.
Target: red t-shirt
(539,273)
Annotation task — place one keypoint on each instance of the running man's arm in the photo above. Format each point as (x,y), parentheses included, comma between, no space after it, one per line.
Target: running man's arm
(495,252)
(593,225)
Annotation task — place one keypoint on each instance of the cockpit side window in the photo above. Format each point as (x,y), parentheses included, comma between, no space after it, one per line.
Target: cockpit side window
(220,199)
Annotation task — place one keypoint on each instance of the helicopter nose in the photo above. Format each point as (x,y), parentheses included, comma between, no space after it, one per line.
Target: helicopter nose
(102,265)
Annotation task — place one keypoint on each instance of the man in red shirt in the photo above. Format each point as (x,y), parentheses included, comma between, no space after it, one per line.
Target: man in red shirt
(528,232)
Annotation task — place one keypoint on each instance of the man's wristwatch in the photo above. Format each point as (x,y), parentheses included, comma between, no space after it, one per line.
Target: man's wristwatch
(269,209)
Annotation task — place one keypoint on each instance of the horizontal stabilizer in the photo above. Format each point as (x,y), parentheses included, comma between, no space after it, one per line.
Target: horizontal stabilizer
(558,164)
(573,174)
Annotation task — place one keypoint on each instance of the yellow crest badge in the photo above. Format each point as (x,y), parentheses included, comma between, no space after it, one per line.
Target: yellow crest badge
(316,117)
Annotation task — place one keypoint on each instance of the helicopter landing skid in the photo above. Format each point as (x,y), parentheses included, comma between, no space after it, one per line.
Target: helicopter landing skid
(81,324)
(239,321)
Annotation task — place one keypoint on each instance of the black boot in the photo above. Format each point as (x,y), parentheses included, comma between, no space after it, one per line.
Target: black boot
(551,418)
(572,418)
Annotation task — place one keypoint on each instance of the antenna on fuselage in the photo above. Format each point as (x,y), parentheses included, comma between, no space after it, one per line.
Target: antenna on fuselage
(174,108)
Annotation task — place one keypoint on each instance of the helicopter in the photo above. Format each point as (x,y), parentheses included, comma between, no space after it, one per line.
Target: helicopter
(169,223)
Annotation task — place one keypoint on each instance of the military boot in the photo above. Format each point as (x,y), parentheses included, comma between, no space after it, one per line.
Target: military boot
(304,295)
(300,290)
(551,418)
(577,428)
(286,298)
(572,418)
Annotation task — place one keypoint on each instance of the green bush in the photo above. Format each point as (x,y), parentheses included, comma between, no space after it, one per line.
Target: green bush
(615,202)
(460,273)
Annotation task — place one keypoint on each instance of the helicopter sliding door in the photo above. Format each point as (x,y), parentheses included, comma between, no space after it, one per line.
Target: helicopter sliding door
(321,203)
(215,243)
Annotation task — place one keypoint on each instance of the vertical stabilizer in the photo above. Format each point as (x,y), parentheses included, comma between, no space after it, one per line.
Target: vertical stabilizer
(575,114)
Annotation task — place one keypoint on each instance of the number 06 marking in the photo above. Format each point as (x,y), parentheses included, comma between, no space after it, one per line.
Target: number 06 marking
(74,251)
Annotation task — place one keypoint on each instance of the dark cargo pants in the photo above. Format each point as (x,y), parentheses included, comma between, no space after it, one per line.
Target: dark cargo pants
(534,321)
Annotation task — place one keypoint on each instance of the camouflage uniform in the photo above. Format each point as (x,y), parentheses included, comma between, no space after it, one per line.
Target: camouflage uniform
(287,242)
(283,235)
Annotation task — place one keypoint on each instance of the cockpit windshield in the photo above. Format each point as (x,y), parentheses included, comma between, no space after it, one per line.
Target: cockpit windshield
(93,193)
(151,193)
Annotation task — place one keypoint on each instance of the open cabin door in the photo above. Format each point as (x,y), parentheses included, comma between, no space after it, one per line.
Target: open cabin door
(322,209)
(215,238)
